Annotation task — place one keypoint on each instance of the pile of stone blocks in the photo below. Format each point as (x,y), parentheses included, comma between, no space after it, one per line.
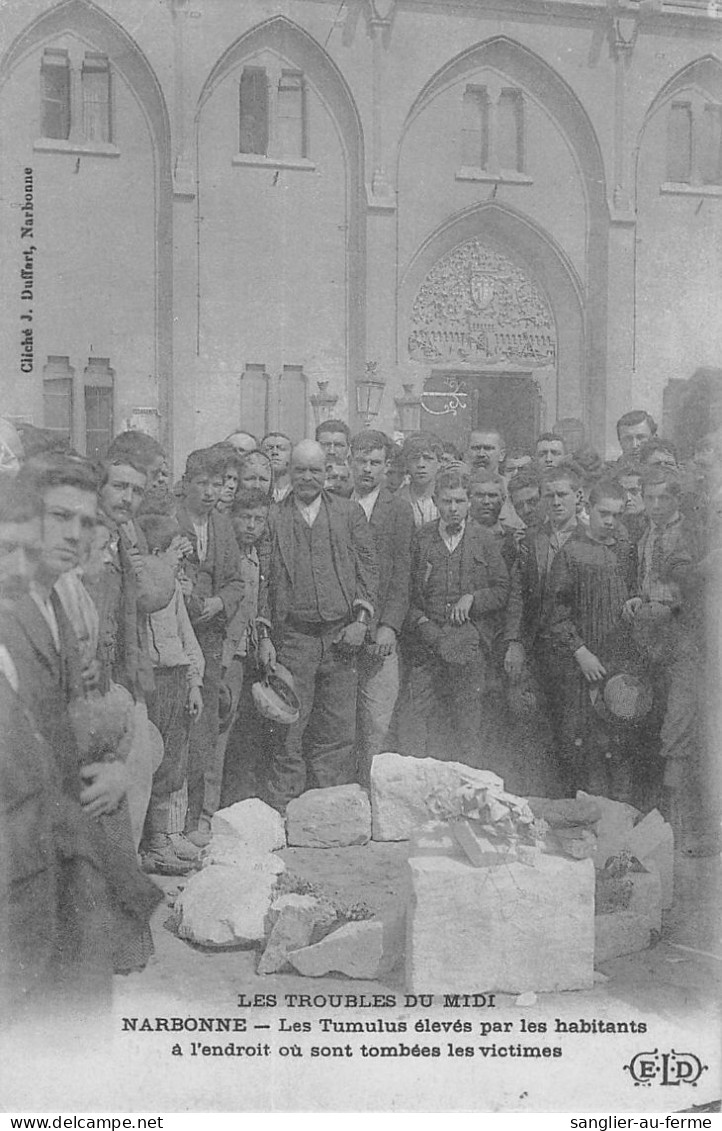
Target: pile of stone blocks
(401,787)
(502,917)
(309,936)
(226,903)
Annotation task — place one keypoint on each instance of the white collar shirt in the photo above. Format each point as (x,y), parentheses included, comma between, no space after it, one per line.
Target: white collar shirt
(201,529)
(367,502)
(309,511)
(451,540)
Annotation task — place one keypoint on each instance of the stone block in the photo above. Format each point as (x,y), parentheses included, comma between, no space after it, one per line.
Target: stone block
(293,928)
(233,853)
(612,829)
(325,915)
(225,906)
(253,823)
(627,931)
(511,929)
(366,949)
(401,787)
(652,842)
(329,818)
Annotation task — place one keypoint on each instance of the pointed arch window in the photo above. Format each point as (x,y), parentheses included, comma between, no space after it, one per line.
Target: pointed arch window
(694,144)
(76,113)
(273,115)
(493,133)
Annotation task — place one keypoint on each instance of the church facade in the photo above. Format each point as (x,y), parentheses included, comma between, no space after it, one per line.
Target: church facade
(418,213)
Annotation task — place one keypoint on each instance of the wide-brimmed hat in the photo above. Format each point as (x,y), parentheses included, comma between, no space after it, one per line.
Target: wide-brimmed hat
(275,697)
(628,698)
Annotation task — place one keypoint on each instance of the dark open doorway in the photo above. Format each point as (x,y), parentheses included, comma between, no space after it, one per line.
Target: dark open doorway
(455,402)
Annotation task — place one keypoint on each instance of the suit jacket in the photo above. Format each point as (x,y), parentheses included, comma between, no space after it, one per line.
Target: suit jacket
(482,572)
(48,680)
(531,599)
(352,552)
(392,526)
(50,869)
(220,575)
(681,552)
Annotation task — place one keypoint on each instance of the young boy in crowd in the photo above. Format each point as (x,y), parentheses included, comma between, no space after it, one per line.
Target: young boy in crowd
(177,700)
(458,583)
(422,455)
(214,571)
(592,581)
(249,519)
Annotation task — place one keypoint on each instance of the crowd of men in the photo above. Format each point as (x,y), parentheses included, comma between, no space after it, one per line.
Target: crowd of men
(538,613)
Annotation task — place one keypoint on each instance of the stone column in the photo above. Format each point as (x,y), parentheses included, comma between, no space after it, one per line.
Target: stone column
(621,308)
(381,223)
(185,250)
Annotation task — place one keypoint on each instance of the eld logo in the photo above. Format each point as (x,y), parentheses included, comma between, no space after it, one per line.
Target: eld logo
(666,1068)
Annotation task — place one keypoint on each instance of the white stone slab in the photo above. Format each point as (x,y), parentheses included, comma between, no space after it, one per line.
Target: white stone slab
(401,787)
(225,906)
(253,823)
(510,929)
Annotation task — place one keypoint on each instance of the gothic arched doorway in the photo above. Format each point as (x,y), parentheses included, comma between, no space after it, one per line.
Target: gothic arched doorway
(486,330)
(493,327)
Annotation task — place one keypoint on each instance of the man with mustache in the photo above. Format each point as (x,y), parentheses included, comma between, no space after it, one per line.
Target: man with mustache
(318,600)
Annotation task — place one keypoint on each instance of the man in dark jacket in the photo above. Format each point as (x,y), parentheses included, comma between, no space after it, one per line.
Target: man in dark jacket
(458,581)
(318,601)
(215,573)
(87,879)
(391,521)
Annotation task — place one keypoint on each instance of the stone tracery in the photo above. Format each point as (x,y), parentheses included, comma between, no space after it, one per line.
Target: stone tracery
(476,305)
